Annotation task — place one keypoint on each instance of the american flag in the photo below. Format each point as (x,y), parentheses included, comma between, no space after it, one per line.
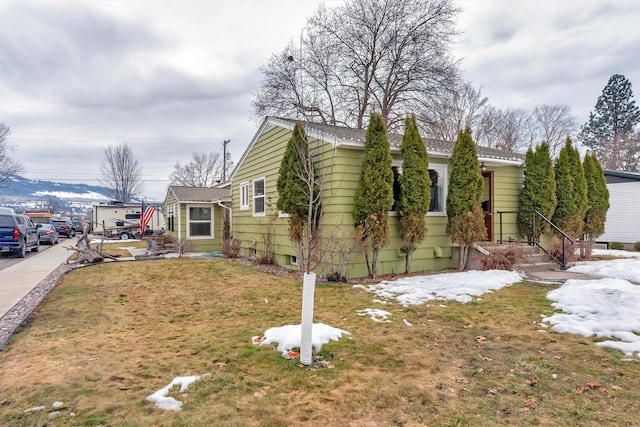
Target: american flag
(145,216)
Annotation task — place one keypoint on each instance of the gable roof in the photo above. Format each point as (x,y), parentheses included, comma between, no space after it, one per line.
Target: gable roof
(200,194)
(346,137)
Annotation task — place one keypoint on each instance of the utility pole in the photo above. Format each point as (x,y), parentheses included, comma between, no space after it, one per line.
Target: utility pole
(224,159)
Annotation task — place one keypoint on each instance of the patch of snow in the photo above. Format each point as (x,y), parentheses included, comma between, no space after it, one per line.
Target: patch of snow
(376,314)
(288,337)
(605,308)
(461,287)
(625,269)
(162,399)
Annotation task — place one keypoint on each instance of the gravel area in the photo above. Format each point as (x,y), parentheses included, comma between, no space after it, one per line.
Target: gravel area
(20,312)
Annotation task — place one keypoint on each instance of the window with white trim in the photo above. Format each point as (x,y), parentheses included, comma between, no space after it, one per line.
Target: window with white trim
(438,191)
(258,197)
(438,200)
(200,222)
(244,196)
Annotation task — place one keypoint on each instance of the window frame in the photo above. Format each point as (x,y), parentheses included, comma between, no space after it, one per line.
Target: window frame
(263,196)
(190,221)
(243,188)
(442,169)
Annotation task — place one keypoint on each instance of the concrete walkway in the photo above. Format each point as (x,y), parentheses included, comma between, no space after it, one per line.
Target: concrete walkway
(558,276)
(19,279)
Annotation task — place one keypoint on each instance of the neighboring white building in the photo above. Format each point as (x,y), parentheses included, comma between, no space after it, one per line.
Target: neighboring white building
(623,217)
(116,216)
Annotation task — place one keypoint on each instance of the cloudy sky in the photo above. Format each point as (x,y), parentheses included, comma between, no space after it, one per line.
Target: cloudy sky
(173,77)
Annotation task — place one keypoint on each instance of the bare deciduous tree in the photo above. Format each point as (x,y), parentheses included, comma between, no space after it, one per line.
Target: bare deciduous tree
(389,56)
(459,107)
(8,166)
(121,172)
(204,170)
(553,124)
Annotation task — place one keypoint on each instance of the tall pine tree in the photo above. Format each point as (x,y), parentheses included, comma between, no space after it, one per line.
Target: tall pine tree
(538,191)
(610,130)
(598,205)
(415,186)
(374,195)
(571,191)
(466,221)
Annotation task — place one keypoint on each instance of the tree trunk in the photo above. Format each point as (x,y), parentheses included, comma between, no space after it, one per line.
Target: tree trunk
(407,265)
(462,262)
(374,263)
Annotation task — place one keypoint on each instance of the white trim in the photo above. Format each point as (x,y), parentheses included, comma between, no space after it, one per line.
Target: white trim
(244,195)
(283,214)
(210,221)
(264,196)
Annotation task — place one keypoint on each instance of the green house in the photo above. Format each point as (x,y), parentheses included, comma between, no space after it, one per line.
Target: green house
(195,216)
(338,153)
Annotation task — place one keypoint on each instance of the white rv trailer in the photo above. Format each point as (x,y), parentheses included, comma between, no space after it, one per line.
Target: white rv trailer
(117,219)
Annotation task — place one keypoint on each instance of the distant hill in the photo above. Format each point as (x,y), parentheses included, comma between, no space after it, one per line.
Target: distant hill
(22,194)
(24,187)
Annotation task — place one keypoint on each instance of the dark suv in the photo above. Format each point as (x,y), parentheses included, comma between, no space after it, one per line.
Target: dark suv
(64,227)
(18,233)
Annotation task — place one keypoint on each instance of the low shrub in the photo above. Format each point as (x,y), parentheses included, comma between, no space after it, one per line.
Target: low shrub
(231,247)
(503,259)
(571,252)
(636,246)
(616,245)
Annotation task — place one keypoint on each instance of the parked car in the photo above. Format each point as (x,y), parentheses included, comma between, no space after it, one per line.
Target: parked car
(64,227)
(18,233)
(47,233)
(78,226)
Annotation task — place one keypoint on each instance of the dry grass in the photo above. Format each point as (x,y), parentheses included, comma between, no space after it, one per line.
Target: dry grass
(109,335)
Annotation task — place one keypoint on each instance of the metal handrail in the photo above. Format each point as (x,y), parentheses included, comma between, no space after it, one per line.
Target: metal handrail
(534,241)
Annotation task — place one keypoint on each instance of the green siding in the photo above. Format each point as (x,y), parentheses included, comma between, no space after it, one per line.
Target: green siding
(507,183)
(342,168)
(180,232)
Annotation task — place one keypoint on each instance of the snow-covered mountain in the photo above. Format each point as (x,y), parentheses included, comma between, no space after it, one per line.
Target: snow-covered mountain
(25,194)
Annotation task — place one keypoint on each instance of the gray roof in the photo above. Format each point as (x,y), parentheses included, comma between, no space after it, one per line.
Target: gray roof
(200,194)
(358,137)
(615,177)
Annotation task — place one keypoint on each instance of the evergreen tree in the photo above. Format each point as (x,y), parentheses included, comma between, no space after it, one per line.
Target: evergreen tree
(415,186)
(466,221)
(609,132)
(571,191)
(374,195)
(538,191)
(298,193)
(598,196)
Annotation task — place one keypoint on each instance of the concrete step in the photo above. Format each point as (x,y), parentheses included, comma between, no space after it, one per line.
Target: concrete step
(537,266)
(533,258)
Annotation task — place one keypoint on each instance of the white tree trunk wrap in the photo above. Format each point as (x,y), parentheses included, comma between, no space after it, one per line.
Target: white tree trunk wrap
(308,291)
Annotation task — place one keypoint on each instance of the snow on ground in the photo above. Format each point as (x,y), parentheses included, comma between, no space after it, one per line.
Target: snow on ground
(162,399)
(627,268)
(375,314)
(461,287)
(606,308)
(289,337)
